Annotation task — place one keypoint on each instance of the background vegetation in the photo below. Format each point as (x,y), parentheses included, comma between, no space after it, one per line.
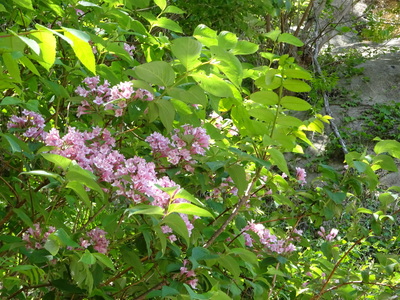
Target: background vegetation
(147,152)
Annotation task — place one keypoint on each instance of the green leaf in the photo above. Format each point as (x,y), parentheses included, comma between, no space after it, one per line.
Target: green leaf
(188,196)
(161,4)
(390,146)
(213,84)
(88,258)
(156,72)
(79,189)
(300,74)
(227,40)
(195,95)
(65,238)
(238,175)
(47,43)
(167,24)
(178,226)
(245,254)
(29,42)
(278,159)
(166,112)
(144,209)
(290,39)
(205,35)
(104,260)
(28,64)
(12,66)
(52,244)
(81,47)
(337,197)
(295,85)
(23,216)
(11,101)
(262,114)
(229,263)
(43,173)
(189,209)
(76,173)
(265,97)
(187,50)
(173,10)
(385,162)
(244,48)
(273,35)
(363,210)
(58,160)
(228,64)
(24,4)
(295,103)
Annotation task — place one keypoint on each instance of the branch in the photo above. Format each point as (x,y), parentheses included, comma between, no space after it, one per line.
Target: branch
(235,211)
(323,291)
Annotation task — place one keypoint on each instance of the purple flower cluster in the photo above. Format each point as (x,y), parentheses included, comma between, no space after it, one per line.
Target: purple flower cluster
(270,241)
(97,240)
(330,236)
(129,49)
(180,148)
(31,123)
(113,98)
(301,175)
(35,238)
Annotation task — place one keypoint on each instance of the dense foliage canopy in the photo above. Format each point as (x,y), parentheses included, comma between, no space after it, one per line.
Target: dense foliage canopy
(141,159)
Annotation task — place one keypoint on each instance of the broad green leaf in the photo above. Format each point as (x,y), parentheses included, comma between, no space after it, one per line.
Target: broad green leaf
(245,254)
(178,226)
(28,64)
(12,66)
(104,260)
(205,35)
(247,157)
(88,258)
(193,294)
(81,47)
(23,216)
(173,10)
(337,197)
(43,173)
(58,160)
(65,239)
(244,48)
(213,84)
(24,4)
(76,173)
(10,101)
(385,162)
(227,40)
(144,209)
(289,121)
(290,39)
(262,114)
(189,209)
(166,112)
(79,189)
(13,141)
(273,35)
(42,28)
(161,4)
(52,244)
(167,24)
(238,174)
(228,64)
(47,43)
(295,103)
(188,196)
(295,85)
(2,8)
(29,42)
(390,146)
(187,50)
(363,210)
(195,95)
(230,264)
(265,97)
(278,159)
(300,74)
(156,72)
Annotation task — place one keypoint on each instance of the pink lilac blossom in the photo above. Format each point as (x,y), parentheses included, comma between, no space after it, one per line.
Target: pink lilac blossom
(129,49)
(30,123)
(98,240)
(188,274)
(183,143)
(330,236)
(301,175)
(35,238)
(270,241)
(223,124)
(113,98)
